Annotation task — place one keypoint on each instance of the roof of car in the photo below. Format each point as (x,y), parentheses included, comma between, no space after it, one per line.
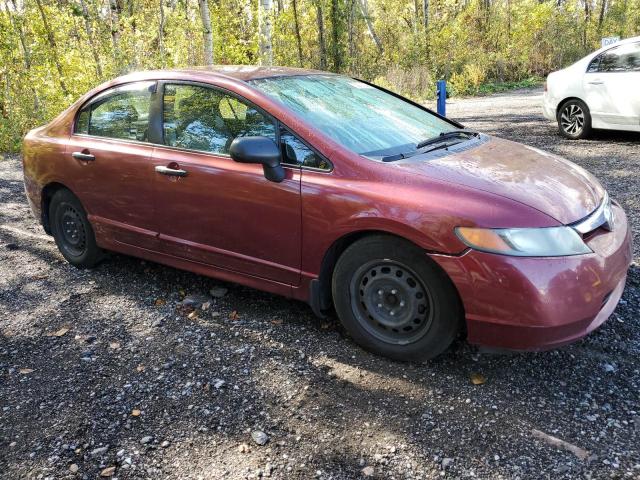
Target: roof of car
(250,72)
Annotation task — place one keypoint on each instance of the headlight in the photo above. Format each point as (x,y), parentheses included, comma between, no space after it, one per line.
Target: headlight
(525,242)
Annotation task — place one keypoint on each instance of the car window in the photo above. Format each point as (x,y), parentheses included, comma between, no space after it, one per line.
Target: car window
(121,113)
(623,58)
(296,152)
(206,119)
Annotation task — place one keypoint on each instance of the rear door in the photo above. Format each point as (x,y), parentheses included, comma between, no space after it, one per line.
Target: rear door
(612,87)
(213,210)
(112,150)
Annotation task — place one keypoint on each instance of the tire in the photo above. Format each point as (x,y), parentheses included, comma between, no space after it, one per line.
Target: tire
(72,231)
(574,119)
(380,274)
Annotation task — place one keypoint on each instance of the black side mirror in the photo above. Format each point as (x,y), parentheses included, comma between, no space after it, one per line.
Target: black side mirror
(261,150)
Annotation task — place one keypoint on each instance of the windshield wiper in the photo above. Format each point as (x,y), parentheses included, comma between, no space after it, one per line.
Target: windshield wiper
(446,135)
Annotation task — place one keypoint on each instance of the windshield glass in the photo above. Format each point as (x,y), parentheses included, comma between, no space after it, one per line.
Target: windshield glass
(360,117)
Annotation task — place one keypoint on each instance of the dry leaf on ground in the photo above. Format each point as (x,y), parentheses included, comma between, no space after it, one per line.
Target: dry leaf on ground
(59,333)
(25,371)
(478,378)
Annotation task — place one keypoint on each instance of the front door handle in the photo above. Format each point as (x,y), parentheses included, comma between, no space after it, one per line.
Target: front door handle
(596,82)
(174,172)
(85,157)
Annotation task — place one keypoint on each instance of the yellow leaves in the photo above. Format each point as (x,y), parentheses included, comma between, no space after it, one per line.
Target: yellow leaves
(59,333)
(160,302)
(25,371)
(108,472)
(478,378)
(135,412)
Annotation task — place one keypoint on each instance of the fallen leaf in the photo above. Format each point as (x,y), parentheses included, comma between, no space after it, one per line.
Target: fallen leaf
(206,305)
(40,277)
(135,412)
(192,315)
(234,315)
(108,472)
(325,325)
(25,371)
(59,333)
(478,378)
(140,368)
(182,292)
(114,345)
(276,321)
(160,302)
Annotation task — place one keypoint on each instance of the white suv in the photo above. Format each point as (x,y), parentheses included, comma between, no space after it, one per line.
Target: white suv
(600,91)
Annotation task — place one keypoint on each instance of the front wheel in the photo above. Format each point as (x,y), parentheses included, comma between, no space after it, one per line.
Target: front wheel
(72,231)
(574,119)
(394,301)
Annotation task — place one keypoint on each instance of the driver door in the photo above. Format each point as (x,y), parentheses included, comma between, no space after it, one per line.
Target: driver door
(216,211)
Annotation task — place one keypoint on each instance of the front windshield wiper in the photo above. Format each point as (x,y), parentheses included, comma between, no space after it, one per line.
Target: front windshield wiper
(446,135)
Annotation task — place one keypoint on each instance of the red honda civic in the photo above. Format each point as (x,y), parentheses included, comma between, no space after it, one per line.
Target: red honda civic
(337,192)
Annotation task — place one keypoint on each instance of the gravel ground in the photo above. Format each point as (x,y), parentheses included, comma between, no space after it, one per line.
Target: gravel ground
(138,387)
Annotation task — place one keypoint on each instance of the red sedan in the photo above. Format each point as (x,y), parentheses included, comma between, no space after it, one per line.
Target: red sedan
(337,192)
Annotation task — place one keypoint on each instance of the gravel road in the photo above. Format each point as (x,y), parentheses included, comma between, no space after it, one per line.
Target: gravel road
(103,373)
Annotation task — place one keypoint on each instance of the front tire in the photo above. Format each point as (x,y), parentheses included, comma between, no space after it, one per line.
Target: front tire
(72,231)
(574,119)
(394,301)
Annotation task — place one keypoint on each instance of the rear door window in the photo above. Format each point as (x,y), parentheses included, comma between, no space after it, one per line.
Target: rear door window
(121,113)
(623,58)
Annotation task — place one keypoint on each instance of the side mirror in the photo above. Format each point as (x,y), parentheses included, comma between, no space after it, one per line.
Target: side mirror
(261,150)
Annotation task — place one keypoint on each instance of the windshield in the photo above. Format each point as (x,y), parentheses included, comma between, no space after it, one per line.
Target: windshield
(358,116)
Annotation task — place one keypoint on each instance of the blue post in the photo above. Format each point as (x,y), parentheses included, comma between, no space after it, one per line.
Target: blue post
(442,97)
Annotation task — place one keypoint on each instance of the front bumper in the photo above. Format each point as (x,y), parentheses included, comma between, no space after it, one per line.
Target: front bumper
(540,303)
(549,106)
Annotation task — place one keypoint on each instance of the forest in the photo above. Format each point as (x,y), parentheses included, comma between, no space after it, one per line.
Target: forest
(53,51)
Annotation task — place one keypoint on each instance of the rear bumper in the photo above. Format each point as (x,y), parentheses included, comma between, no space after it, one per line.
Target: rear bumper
(541,303)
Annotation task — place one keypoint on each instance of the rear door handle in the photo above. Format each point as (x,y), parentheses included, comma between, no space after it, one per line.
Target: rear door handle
(171,171)
(596,82)
(85,157)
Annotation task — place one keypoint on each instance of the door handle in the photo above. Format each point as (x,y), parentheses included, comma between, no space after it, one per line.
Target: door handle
(85,157)
(596,82)
(170,171)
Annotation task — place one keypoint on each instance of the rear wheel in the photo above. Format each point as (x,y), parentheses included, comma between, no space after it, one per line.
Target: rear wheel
(574,119)
(72,231)
(394,301)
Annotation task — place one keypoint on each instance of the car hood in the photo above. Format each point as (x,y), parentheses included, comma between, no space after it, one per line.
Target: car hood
(525,174)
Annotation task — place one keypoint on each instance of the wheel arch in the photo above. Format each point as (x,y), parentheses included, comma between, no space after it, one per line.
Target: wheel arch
(565,100)
(321,299)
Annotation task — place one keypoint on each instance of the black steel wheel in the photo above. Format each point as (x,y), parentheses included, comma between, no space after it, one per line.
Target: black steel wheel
(574,119)
(72,231)
(393,300)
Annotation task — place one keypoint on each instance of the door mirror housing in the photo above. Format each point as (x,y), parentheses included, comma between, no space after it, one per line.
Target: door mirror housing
(260,150)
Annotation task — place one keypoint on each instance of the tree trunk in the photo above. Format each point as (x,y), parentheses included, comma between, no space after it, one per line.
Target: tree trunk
(336,49)
(296,24)
(425,19)
(92,44)
(264,28)
(364,9)
(207,33)
(161,35)
(587,18)
(54,48)
(351,28)
(323,48)
(603,9)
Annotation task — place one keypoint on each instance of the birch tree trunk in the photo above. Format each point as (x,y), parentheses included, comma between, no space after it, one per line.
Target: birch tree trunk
(296,24)
(54,48)
(364,9)
(264,28)
(207,33)
(89,30)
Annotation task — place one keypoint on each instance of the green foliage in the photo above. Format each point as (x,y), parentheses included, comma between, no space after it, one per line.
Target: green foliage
(479,46)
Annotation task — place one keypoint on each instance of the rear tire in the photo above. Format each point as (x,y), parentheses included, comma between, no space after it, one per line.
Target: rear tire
(574,119)
(72,231)
(394,301)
